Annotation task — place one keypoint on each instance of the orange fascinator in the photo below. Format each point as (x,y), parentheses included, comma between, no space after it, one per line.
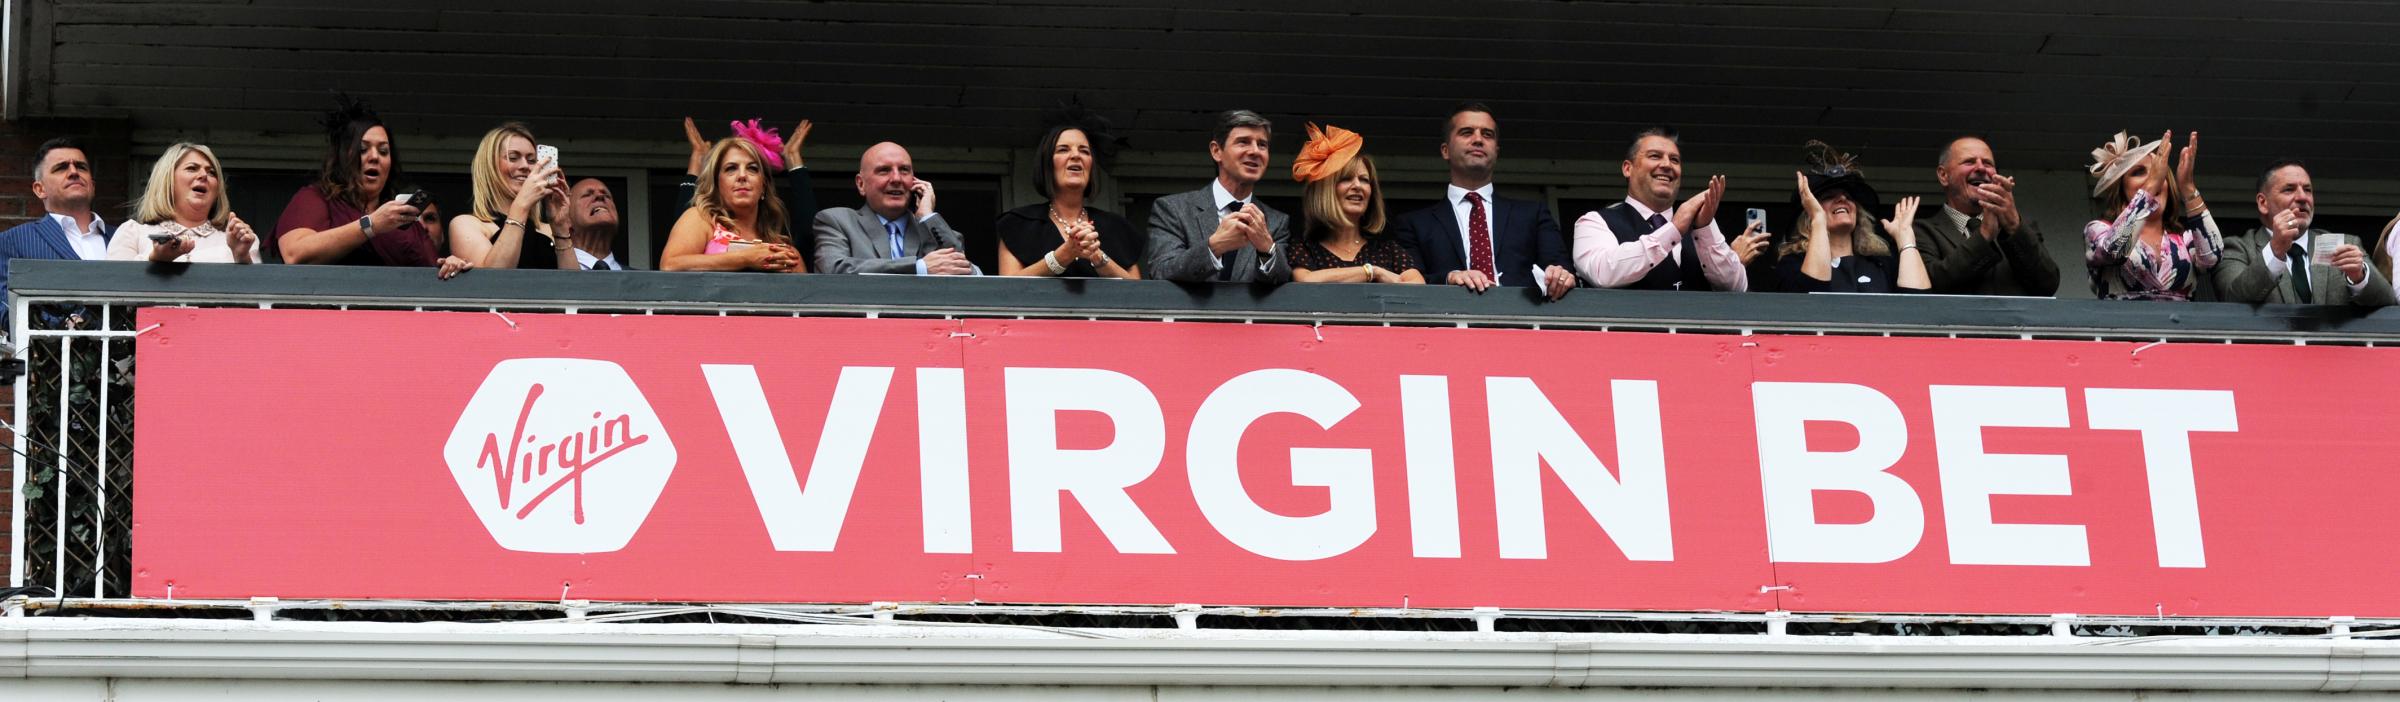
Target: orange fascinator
(1328,151)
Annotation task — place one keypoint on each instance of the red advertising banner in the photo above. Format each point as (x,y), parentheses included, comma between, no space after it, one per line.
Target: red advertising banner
(357,454)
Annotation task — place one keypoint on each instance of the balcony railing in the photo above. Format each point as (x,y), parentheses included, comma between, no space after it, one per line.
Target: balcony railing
(74,325)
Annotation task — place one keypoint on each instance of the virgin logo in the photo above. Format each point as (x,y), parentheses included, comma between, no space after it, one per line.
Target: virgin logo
(560,455)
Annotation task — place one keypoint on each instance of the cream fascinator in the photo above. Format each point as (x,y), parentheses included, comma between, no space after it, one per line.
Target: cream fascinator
(2113,159)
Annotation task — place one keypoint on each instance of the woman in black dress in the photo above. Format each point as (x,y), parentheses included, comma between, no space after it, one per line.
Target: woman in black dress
(1835,247)
(1342,198)
(1064,237)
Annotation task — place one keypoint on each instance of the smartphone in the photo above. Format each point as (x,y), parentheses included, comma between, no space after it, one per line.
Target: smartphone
(162,239)
(912,198)
(417,198)
(545,152)
(1755,216)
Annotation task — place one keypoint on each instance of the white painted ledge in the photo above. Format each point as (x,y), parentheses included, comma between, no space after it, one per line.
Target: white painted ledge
(890,655)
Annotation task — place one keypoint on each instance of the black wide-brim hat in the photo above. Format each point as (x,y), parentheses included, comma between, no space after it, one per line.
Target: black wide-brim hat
(1850,182)
(1830,171)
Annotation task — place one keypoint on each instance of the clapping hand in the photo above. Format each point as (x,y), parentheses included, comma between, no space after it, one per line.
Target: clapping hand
(1257,233)
(2187,161)
(1999,200)
(1700,211)
(1087,243)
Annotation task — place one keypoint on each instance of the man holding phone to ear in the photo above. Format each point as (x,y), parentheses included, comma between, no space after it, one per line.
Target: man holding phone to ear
(896,231)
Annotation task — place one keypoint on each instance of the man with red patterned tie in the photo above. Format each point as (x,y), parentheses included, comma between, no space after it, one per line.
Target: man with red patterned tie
(1474,239)
(1640,244)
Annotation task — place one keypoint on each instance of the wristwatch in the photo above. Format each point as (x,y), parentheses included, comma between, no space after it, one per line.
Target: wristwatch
(366,225)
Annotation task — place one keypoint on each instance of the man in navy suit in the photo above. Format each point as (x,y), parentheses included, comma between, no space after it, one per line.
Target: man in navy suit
(1475,240)
(62,180)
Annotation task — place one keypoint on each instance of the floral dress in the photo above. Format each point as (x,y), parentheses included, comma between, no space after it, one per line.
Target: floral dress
(2123,269)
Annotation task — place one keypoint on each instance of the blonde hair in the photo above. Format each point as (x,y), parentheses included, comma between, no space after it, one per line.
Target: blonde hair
(1865,237)
(158,197)
(491,199)
(1321,201)
(773,222)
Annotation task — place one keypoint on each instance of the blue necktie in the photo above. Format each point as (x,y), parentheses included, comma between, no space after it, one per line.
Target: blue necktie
(894,229)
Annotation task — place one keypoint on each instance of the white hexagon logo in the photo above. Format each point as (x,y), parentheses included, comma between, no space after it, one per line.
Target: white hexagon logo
(560,455)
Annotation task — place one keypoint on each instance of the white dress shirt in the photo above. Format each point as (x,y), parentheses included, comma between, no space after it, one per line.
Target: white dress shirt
(586,259)
(1462,210)
(2280,268)
(1223,197)
(88,243)
(1611,263)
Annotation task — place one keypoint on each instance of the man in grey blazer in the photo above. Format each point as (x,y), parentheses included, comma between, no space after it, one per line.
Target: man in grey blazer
(2273,263)
(897,230)
(1219,233)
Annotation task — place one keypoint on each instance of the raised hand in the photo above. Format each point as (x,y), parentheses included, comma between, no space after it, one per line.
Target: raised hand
(2187,161)
(2286,229)
(1750,244)
(240,238)
(691,133)
(1708,208)
(924,191)
(791,146)
(1902,225)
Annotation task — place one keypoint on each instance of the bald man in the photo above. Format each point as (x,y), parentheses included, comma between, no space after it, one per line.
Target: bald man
(896,231)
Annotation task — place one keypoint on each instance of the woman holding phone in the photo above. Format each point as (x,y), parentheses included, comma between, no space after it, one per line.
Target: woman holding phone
(344,218)
(2134,252)
(518,190)
(1835,247)
(184,216)
(736,222)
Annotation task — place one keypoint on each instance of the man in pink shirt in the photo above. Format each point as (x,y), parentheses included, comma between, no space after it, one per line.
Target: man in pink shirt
(1639,244)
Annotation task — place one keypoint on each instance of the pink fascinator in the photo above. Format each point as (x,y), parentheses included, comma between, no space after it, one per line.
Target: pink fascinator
(767,139)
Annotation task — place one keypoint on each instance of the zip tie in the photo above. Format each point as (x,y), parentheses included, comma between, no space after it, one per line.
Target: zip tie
(146,330)
(504,318)
(962,335)
(1764,589)
(2145,347)
(564,586)
(1319,328)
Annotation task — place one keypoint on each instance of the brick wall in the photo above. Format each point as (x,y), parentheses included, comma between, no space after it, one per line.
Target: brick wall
(108,143)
